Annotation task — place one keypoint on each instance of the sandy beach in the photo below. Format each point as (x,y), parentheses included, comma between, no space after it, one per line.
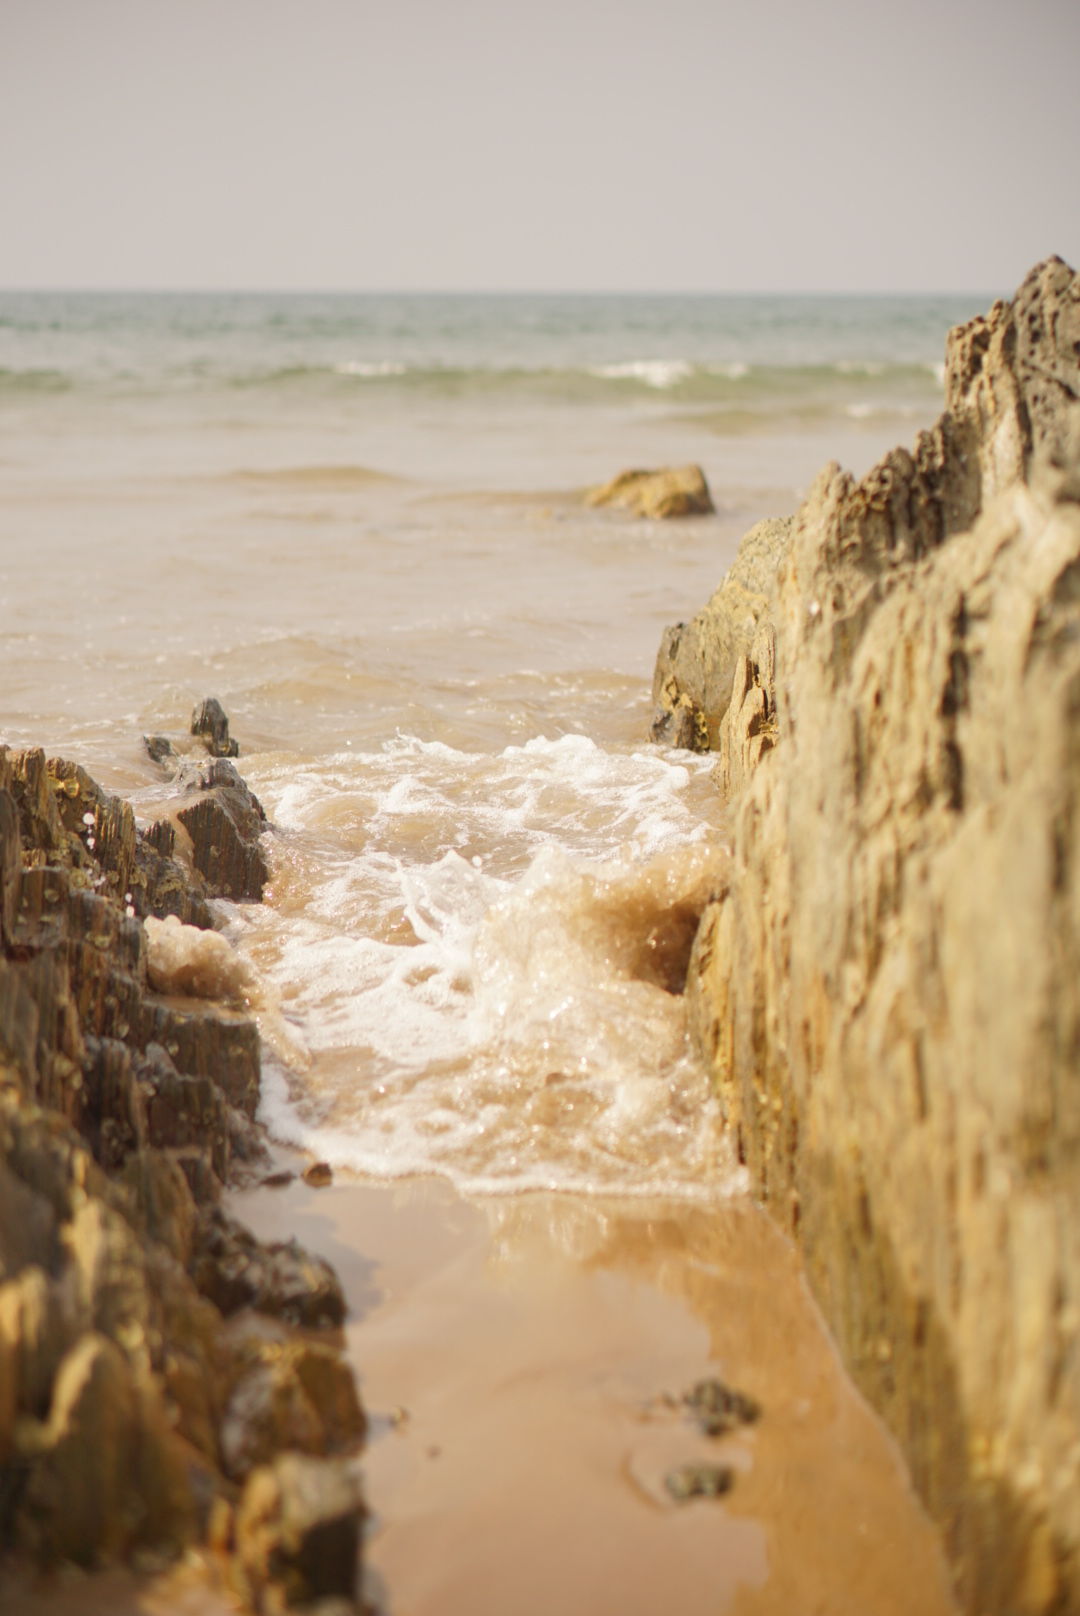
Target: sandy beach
(523,1361)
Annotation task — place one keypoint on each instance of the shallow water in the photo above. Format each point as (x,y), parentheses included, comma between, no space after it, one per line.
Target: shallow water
(358,523)
(521,1466)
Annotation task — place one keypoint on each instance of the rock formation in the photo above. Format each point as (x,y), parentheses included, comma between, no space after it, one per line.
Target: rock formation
(674,491)
(151,1370)
(888,988)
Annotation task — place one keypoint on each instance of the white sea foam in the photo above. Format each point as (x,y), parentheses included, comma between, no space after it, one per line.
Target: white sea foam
(482,954)
(370,367)
(659,373)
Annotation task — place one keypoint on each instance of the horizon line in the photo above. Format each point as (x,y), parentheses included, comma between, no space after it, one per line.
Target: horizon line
(486,291)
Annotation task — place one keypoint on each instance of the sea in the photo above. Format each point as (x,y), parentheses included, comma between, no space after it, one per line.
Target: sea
(358,521)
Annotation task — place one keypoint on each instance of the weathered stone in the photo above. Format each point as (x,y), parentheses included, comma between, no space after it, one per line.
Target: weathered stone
(719,1409)
(160,884)
(298,1532)
(224,850)
(115,1109)
(673,491)
(697,661)
(699,1481)
(290,1393)
(160,749)
(210,724)
(113,1113)
(182,1109)
(235,1271)
(34,1333)
(163,1200)
(887,989)
(78,1497)
(214,1044)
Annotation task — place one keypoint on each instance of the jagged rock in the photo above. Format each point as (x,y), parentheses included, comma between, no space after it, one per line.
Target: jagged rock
(163,1200)
(216,1044)
(298,1532)
(118,1117)
(289,1393)
(33,1331)
(887,988)
(224,825)
(674,491)
(696,663)
(281,1279)
(210,724)
(78,1495)
(182,1109)
(160,749)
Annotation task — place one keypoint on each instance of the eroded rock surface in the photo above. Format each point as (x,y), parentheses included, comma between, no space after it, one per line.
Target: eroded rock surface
(149,1356)
(888,988)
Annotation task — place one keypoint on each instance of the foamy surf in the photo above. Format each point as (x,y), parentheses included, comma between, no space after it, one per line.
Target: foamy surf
(483,956)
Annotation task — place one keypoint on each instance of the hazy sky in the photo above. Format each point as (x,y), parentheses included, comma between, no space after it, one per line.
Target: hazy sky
(562,144)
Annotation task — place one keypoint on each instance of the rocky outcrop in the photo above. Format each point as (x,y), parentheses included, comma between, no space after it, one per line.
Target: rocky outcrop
(888,988)
(697,661)
(150,1360)
(674,491)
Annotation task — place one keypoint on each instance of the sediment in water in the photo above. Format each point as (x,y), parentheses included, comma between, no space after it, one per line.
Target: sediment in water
(156,1361)
(886,990)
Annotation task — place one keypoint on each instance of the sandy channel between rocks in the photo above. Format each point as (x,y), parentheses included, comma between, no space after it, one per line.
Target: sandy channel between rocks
(523,1360)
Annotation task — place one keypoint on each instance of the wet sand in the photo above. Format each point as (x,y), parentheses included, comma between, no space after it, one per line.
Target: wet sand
(522,1361)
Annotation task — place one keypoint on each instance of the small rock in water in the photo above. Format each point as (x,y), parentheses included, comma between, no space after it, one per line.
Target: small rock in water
(699,1481)
(672,491)
(718,1408)
(160,748)
(318,1175)
(210,723)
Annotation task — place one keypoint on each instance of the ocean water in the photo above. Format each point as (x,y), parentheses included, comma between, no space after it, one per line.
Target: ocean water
(357,520)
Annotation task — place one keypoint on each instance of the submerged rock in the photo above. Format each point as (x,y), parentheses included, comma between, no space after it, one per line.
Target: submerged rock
(673,491)
(889,993)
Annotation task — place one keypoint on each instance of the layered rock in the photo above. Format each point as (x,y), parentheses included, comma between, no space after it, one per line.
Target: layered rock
(139,1393)
(888,990)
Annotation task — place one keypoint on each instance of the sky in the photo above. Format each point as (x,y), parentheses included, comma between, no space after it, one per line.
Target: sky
(714,145)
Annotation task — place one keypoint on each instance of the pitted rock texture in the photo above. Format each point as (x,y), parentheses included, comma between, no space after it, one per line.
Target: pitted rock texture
(888,990)
(130,1408)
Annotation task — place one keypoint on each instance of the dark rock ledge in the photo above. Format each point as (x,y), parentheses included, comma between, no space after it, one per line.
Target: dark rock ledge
(165,1379)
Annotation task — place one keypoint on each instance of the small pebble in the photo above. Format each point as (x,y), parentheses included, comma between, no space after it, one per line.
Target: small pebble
(318,1175)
